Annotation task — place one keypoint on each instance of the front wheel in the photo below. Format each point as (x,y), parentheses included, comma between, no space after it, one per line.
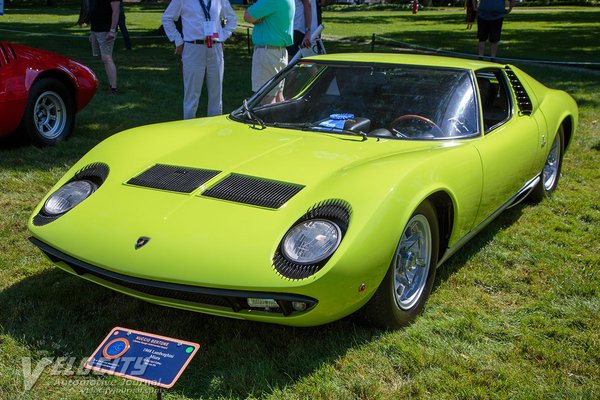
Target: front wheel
(403,292)
(551,171)
(50,113)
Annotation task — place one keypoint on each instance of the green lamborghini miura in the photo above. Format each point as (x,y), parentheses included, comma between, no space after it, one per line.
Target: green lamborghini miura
(341,185)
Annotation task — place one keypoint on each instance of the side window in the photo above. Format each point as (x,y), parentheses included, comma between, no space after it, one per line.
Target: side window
(494,98)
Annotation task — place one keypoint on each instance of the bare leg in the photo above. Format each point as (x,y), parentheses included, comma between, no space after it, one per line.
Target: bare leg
(481,49)
(494,49)
(111,71)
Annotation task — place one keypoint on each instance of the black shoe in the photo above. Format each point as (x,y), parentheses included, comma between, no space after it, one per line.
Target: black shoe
(113,90)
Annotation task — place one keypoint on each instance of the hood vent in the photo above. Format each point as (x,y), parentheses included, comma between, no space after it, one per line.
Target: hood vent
(172,178)
(252,190)
(7,54)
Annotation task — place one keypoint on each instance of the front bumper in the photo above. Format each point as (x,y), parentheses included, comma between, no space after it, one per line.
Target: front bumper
(223,302)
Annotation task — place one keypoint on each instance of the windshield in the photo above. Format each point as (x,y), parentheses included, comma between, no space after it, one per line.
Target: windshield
(395,101)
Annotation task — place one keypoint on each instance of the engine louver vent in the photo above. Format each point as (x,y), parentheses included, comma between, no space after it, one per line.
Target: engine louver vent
(173,178)
(7,54)
(523,99)
(255,191)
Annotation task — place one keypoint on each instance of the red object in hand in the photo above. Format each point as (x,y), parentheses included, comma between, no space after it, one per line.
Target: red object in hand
(209,42)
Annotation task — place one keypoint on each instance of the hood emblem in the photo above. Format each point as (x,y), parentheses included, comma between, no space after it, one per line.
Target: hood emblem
(141,242)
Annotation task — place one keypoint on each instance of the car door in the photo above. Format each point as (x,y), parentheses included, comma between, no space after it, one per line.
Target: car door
(509,145)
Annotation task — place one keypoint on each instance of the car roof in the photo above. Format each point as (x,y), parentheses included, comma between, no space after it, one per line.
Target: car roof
(410,59)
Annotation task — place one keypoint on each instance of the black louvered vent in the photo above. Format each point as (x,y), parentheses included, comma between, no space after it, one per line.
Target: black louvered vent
(252,190)
(523,99)
(7,54)
(173,178)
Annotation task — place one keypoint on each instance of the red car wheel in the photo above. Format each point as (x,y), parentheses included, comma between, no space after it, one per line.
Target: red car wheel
(50,113)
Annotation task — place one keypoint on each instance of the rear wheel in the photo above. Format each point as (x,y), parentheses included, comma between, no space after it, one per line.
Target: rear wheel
(50,113)
(403,292)
(551,172)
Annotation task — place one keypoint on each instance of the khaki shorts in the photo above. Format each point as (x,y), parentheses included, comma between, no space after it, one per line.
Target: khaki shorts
(266,62)
(101,45)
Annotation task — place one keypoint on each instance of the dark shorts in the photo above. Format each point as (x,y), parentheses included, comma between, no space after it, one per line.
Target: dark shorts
(294,48)
(489,30)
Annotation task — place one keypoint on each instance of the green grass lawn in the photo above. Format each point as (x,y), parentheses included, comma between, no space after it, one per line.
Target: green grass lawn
(515,314)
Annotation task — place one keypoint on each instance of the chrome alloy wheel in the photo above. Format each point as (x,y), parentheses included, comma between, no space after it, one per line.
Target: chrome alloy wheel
(552,166)
(412,262)
(50,115)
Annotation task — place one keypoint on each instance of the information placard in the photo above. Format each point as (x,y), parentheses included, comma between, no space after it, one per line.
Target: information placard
(145,357)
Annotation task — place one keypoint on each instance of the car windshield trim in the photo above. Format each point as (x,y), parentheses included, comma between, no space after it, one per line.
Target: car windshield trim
(307,95)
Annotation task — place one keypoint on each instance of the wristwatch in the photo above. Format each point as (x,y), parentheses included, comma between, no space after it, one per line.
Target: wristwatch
(113,30)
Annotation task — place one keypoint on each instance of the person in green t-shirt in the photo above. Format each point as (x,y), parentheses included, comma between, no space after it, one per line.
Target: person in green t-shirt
(272,33)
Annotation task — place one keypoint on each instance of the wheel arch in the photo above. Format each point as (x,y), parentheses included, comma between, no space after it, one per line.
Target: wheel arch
(63,78)
(567,125)
(444,208)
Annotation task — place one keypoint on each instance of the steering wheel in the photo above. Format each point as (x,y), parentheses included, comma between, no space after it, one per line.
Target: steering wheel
(413,130)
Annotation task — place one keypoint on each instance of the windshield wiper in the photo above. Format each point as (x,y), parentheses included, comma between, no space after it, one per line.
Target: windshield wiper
(338,130)
(251,116)
(306,126)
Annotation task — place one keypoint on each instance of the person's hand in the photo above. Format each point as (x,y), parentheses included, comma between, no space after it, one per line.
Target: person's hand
(111,35)
(306,40)
(179,49)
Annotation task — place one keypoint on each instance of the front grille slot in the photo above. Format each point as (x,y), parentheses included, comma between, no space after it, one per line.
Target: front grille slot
(254,191)
(173,178)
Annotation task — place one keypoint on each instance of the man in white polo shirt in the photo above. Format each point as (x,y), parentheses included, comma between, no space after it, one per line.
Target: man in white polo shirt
(201,48)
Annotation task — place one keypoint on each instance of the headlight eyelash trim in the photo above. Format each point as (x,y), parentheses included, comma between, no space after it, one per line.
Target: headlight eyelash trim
(336,210)
(95,172)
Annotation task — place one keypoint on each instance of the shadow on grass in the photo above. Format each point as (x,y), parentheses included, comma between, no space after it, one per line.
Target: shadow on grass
(462,256)
(58,315)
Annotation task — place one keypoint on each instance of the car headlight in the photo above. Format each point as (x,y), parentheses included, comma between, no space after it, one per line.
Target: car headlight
(311,241)
(68,197)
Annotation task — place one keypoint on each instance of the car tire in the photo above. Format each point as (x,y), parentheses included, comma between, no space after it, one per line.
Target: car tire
(403,292)
(50,112)
(550,173)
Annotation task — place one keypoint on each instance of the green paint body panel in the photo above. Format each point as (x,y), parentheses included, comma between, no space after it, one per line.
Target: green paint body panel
(207,242)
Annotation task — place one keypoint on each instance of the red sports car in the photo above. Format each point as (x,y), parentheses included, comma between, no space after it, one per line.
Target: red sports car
(40,92)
